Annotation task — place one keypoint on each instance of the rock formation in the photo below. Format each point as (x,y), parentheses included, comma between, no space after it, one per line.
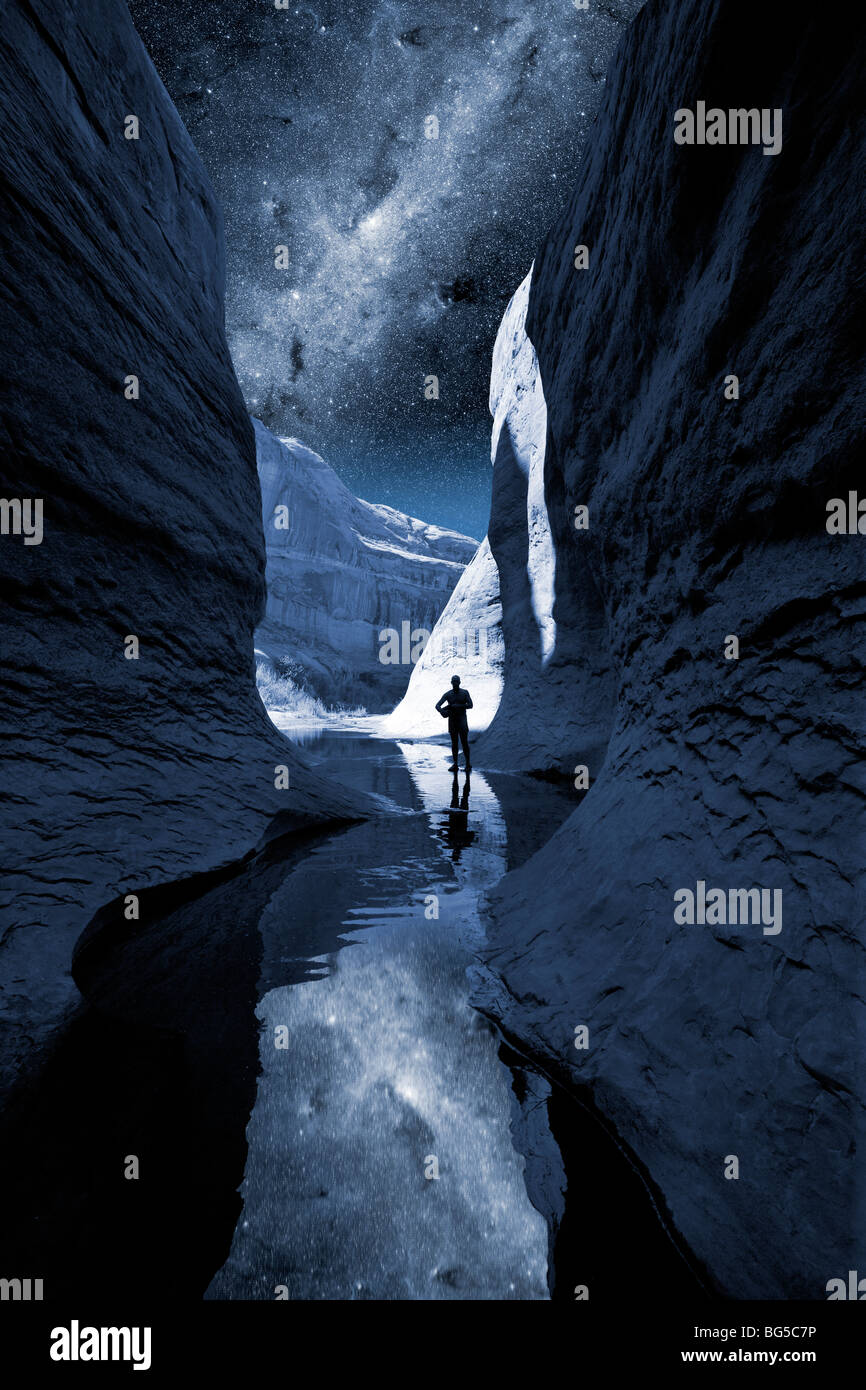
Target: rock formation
(341,571)
(470,635)
(130,761)
(466,641)
(707,501)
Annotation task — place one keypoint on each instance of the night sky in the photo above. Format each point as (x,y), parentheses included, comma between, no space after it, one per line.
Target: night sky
(403,250)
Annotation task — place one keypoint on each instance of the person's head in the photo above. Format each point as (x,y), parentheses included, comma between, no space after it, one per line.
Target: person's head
(455,681)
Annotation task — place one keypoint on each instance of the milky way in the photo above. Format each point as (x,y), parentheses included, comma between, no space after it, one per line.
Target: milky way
(403,250)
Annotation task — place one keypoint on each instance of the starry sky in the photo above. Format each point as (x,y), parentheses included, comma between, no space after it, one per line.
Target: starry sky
(403,250)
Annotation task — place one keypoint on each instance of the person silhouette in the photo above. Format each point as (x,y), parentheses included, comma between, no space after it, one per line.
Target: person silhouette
(453,706)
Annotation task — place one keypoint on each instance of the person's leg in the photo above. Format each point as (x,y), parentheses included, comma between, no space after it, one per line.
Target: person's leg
(453,733)
(464,739)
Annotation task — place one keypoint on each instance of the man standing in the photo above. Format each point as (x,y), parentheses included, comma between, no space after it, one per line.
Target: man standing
(454,704)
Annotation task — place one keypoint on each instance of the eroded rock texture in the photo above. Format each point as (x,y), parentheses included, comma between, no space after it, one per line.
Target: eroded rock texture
(549,602)
(119,772)
(466,641)
(707,519)
(340,572)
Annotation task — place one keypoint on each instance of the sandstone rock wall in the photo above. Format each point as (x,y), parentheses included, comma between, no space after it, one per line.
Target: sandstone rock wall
(706,520)
(119,772)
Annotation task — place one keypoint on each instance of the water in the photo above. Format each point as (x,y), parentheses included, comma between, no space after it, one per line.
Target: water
(380,1161)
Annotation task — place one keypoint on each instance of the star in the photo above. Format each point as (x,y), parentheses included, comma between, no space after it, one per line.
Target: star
(378,217)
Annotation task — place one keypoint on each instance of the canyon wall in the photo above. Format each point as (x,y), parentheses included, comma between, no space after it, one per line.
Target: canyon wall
(707,506)
(340,571)
(466,641)
(128,761)
(550,604)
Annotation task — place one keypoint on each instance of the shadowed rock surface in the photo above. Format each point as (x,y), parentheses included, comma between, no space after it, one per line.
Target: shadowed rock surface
(119,773)
(707,518)
(550,605)
(167,1037)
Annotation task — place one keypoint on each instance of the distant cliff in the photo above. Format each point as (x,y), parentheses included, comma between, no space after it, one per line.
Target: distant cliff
(706,501)
(139,749)
(341,571)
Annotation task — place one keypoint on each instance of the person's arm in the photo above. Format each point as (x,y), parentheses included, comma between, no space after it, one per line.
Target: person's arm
(440,703)
(468,699)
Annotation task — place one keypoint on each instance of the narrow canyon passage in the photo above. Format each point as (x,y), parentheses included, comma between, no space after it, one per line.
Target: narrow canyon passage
(380,1160)
(288,1051)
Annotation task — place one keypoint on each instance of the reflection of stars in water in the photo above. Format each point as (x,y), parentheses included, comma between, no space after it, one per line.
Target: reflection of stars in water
(403,250)
(336,1200)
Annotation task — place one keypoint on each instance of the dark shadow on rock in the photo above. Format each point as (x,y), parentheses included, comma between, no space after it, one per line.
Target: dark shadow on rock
(532,814)
(160,1062)
(608,1227)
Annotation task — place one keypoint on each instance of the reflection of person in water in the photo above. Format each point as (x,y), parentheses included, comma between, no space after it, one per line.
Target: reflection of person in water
(458,835)
(454,703)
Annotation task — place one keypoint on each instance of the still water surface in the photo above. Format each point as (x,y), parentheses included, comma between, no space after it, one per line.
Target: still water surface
(376,1072)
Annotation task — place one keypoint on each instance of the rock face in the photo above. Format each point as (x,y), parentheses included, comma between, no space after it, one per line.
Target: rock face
(707,515)
(466,641)
(549,601)
(473,636)
(120,772)
(339,572)
(533,602)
